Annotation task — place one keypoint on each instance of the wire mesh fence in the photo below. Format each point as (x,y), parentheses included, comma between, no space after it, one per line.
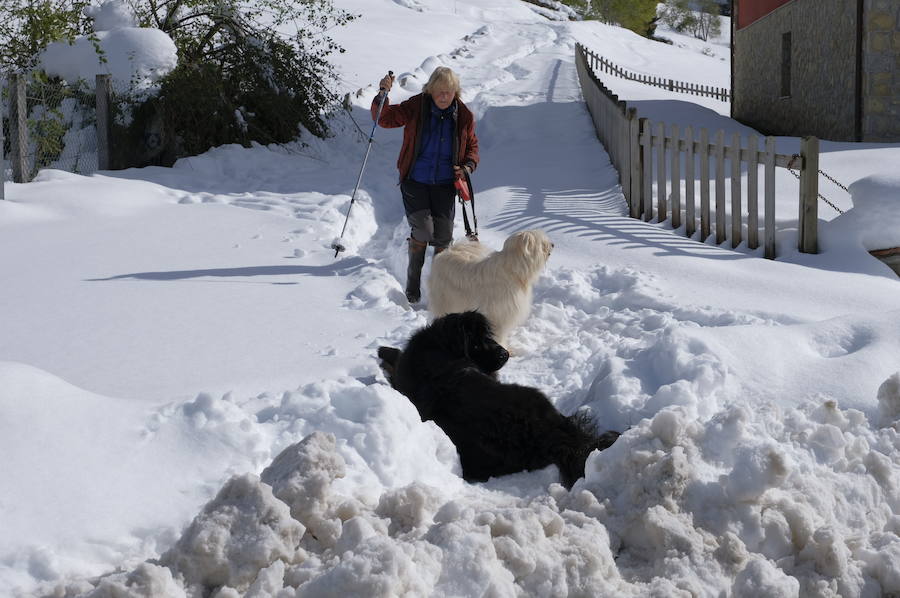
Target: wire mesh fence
(59,121)
(61,126)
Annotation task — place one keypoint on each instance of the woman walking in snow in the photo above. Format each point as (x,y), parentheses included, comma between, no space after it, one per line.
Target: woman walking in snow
(439,144)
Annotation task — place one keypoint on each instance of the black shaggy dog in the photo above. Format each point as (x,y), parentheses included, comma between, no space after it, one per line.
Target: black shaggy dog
(448,372)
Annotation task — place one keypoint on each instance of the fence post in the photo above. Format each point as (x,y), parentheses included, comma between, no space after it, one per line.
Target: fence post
(625,157)
(720,186)
(676,177)
(101,99)
(769,168)
(704,184)
(646,168)
(634,151)
(689,174)
(662,210)
(809,195)
(752,192)
(736,218)
(18,129)
(621,122)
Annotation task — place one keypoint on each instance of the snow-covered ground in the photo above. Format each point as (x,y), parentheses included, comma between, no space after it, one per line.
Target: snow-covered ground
(165,334)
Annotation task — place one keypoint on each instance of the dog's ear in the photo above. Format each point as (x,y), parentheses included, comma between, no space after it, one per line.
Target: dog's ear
(529,242)
(476,326)
(389,357)
(457,333)
(450,334)
(537,243)
(520,242)
(481,347)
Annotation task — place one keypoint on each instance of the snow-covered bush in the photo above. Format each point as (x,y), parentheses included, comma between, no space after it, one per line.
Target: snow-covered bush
(239,79)
(188,74)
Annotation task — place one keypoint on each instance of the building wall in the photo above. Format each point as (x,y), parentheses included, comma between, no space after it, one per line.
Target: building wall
(881,71)
(823,70)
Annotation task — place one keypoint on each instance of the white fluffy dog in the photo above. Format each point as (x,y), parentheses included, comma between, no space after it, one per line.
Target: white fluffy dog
(469,276)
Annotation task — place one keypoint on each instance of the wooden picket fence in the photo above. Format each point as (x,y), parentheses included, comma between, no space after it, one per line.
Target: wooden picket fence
(599,63)
(697,159)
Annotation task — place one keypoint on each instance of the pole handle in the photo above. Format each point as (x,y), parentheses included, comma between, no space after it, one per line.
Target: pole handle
(391,75)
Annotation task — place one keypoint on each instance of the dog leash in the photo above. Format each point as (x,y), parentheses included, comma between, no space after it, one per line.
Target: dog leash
(466,195)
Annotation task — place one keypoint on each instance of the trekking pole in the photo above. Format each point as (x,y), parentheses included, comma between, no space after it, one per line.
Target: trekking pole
(336,244)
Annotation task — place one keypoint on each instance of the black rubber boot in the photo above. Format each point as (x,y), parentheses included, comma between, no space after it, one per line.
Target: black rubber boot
(414,270)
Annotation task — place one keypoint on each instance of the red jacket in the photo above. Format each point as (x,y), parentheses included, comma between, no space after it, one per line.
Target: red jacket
(409,114)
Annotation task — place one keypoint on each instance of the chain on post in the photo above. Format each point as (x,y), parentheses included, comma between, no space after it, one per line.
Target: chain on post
(790,166)
(830,178)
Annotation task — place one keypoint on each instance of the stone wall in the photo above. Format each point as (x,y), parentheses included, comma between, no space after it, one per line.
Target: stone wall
(881,70)
(823,70)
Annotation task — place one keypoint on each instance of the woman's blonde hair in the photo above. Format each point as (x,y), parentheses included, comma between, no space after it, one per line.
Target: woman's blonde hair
(445,75)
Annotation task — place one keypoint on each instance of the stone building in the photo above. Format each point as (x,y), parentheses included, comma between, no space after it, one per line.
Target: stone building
(829,68)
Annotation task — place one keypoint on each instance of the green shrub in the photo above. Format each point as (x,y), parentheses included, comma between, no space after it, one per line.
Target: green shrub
(636,15)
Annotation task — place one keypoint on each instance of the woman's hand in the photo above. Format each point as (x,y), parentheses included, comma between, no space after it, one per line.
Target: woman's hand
(461,171)
(386,83)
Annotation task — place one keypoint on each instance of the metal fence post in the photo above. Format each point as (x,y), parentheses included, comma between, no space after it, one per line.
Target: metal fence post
(18,129)
(809,195)
(101,94)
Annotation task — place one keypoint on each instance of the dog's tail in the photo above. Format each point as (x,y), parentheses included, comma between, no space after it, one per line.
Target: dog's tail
(585,440)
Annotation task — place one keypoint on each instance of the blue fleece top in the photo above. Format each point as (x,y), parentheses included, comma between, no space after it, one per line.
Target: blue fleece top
(434,165)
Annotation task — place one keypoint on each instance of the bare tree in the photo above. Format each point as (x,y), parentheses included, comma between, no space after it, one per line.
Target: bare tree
(700,18)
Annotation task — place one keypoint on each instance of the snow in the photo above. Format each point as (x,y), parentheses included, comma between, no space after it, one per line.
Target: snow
(112,14)
(875,218)
(190,402)
(134,57)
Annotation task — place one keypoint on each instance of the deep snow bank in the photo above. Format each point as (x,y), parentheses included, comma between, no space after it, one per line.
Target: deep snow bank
(767,501)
